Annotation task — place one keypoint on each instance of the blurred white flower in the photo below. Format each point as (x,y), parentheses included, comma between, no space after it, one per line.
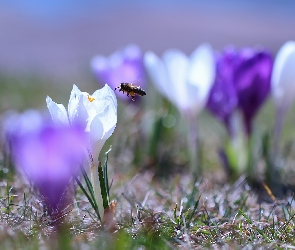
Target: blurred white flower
(185,81)
(283,76)
(97,113)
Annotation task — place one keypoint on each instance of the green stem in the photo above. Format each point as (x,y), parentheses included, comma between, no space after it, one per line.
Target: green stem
(193,145)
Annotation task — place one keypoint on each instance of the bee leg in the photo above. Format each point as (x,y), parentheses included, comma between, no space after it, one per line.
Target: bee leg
(127,94)
(132,98)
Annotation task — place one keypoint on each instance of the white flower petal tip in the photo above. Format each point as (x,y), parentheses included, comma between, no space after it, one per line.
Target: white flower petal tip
(283,75)
(57,111)
(76,89)
(202,60)
(48,100)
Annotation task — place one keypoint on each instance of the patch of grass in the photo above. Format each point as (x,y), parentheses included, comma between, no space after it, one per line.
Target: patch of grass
(152,215)
(159,206)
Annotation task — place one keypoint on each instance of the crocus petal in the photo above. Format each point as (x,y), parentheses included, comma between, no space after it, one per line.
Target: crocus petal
(106,93)
(201,75)
(283,75)
(96,133)
(48,154)
(177,64)
(57,111)
(158,73)
(102,127)
(223,98)
(252,82)
(80,115)
(74,100)
(123,66)
(169,75)
(242,81)
(109,120)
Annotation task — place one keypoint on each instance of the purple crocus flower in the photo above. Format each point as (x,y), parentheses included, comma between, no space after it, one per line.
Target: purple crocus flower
(223,98)
(242,81)
(48,154)
(124,66)
(252,81)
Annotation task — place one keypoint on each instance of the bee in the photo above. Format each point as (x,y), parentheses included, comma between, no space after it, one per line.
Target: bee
(130,89)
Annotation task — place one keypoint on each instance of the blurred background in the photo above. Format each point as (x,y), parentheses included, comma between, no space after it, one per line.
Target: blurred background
(56,39)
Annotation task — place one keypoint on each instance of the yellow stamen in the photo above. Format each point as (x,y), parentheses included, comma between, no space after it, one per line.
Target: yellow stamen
(90,98)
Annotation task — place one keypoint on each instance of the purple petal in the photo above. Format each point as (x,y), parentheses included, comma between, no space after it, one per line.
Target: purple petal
(125,66)
(242,81)
(252,82)
(223,98)
(49,156)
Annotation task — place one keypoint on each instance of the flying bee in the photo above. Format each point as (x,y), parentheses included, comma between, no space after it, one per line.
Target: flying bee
(130,89)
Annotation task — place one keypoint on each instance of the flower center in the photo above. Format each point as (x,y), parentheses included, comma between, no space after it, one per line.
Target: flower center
(90,98)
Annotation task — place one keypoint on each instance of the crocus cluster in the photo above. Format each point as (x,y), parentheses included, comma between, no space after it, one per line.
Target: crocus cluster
(48,154)
(242,82)
(123,66)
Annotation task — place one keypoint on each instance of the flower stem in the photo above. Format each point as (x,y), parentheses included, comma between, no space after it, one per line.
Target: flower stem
(280,117)
(272,172)
(96,186)
(193,146)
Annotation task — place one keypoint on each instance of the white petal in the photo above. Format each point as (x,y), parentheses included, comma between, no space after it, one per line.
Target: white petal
(102,127)
(158,73)
(96,134)
(109,121)
(74,99)
(106,93)
(201,75)
(177,64)
(73,102)
(108,117)
(57,111)
(80,115)
(283,74)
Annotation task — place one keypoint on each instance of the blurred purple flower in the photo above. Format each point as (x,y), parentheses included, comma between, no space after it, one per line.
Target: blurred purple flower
(48,154)
(223,99)
(252,82)
(243,82)
(124,66)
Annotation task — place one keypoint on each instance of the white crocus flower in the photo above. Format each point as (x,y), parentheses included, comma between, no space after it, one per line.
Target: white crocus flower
(185,81)
(98,114)
(283,75)
(283,87)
